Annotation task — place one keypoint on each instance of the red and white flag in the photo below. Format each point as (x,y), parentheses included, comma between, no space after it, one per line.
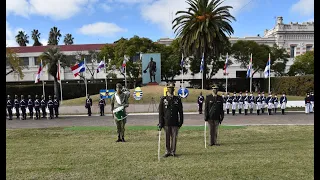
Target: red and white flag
(58,71)
(39,73)
(225,66)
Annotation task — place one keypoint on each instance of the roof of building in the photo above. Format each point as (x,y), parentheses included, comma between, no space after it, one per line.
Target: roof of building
(74,47)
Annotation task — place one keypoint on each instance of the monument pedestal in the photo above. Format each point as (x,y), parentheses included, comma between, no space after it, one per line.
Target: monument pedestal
(152,84)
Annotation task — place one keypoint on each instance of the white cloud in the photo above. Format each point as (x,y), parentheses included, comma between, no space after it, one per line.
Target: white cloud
(101,29)
(55,9)
(162,12)
(43,41)
(10,35)
(303,7)
(106,7)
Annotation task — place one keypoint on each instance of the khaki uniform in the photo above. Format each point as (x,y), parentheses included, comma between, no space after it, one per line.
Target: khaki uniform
(114,104)
(171,118)
(214,114)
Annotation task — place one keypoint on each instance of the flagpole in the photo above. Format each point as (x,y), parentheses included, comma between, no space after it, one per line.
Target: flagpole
(227,76)
(125,76)
(85,77)
(43,91)
(60,81)
(105,70)
(250,73)
(182,69)
(269,71)
(202,71)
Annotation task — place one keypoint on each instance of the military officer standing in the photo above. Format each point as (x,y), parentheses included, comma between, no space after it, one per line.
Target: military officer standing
(50,106)
(263,103)
(119,99)
(307,103)
(17,106)
(9,107)
(37,107)
(214,114)
(246,103)
(283,102)
(23,106)
(88,104)
(170,118)
(240,102)
(228,103)
(234,103)
(30,106)
(270,103)
(259,103)
(275,102)
(56,104)
(43,104)
(200,103)
(311,102)
(102,103)
(251,102)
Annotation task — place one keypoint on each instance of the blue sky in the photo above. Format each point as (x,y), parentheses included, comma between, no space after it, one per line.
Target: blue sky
(105,21)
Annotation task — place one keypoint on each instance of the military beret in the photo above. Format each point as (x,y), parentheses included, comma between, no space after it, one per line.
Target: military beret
(170,85)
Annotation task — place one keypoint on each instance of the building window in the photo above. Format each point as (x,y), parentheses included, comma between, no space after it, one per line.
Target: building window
(309,47)
(36,61)
(292,51)
(241,74)
(25,61)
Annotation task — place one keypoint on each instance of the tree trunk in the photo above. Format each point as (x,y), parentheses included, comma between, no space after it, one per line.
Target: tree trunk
(56,87)
(204,75)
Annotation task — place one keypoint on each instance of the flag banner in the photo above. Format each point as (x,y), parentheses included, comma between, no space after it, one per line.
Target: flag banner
(267,69)
(225,66)
(78,68)
(249,68)
(100,66)
(37,79)
(202,63)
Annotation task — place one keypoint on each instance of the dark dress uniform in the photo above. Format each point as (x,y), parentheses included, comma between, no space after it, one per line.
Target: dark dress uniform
(17,106)
(37,107)
(9,107)
(283,103)
(228,103)
(246,104)
(171,118)
(234,103)
(200,103)
(43,107)
(269,101)
(263,103)
(102,103)
(56,104)
(307,103)
(251,102)
(258,103)
(23,106)
(240,102)
(30,107)
(50,106)
(214,114)
(311,102)
(275,102)
(88,105)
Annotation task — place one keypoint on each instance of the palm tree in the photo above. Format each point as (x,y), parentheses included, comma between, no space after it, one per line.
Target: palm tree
(22,38)
(51,57)
(68,39)
(54,36)
(36,36)
(203,28)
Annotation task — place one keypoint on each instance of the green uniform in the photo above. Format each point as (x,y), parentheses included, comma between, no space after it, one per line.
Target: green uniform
(114,104)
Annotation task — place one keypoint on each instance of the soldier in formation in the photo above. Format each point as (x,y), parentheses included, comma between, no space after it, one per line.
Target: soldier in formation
(269,100)
(17,106)
(228,103)
(246,103)
(171,119)
(200,103)
(259,103)
(214,114)
(307,103)
(43,104)
(311,102)
(9,107)
(37,107)
(263,103)
(30,106)
(50,106)
(56,104)
(234,103)
(23,106)
(283,103)
(102,103)
(276,102)
(240,102)
(251,102)
(120,99)
(88,104)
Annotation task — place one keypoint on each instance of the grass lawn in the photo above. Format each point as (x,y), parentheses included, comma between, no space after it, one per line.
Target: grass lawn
(156,92)
(253,152)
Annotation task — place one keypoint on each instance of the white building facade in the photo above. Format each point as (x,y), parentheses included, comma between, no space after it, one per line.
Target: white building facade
(295,38)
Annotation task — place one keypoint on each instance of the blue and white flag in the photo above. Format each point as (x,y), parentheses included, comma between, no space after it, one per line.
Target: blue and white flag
(202,63)
(249,68)
(267,69)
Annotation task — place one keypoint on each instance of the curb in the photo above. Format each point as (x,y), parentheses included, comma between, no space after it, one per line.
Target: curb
(148,114)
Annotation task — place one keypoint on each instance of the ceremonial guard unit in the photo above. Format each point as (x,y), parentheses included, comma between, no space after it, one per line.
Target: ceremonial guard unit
(200,103)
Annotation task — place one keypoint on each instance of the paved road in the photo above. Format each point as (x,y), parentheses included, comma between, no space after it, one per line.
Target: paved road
(291,118)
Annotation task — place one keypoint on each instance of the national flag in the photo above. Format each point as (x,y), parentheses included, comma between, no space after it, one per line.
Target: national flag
(267,68)
(58,71)
(124,63)
(249,68)
(39,73)
(78,68)
(182,61)
(202,63)
(100,66)
(225,66)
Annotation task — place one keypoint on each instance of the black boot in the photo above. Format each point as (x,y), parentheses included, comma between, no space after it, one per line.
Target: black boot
(239,111)
(119,140)
(269,111)
(123,139)
(233,112)
(258,112)
(245,111)
(251,110)
(227,111)
(275,110)
(262,111)
(282,111)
